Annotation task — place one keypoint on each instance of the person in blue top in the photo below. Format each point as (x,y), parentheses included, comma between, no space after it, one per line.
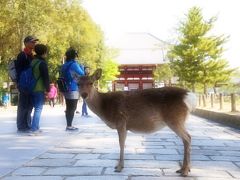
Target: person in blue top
(71,97)
(5,99)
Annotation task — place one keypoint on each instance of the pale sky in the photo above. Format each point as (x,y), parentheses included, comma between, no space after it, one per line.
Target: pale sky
(161,18)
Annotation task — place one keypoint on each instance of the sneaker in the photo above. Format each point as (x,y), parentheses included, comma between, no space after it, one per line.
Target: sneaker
(71,128)
(34,133)
(38,131)
(87,116)
(23,131)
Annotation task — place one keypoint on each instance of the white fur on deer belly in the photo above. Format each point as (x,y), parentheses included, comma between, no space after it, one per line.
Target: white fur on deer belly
(158,125)
(109,124)
(152,125)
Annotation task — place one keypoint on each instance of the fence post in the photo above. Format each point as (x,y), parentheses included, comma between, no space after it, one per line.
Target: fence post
(212,100)
(233,102)
(200,99)
(221,101)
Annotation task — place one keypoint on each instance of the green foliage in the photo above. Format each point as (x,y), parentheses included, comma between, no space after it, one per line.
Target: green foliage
(163,72)
(216,72)
(59,24)
(232,87)
(196,58)
(110,71)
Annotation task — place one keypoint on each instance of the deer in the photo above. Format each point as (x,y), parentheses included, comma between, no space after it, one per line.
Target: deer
(142,111)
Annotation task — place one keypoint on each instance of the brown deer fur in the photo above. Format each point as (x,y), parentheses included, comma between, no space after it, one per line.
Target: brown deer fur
(143,111)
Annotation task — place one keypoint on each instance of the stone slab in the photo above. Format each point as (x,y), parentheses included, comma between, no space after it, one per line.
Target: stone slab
(135,171)
(33,178)
(96,163)
(74,171)
(57,156)
(29,171)
(201,173)
(128,156)
(98,178)
(50,162)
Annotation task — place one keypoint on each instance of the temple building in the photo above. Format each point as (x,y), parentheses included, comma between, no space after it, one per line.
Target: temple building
(139,54)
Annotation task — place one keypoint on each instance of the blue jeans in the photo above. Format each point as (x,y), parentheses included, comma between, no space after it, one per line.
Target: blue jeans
(84,109)
(38,101)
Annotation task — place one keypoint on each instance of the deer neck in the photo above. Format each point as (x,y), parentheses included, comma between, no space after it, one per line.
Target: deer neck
(94,102)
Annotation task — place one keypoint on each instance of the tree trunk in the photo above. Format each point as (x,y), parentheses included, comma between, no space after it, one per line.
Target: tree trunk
(165,83)
(170,82)
(221,101)
(215,90)
(193,87)
(205,88)
(233,102)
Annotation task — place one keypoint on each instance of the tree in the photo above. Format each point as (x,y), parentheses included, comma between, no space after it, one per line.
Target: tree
(18,19)
(110,69)
(216,72)
(234,85)
(60,24)
(195,50)
(163,73)
(71,26)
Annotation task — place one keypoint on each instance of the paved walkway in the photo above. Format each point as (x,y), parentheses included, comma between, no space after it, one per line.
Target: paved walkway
(91,153)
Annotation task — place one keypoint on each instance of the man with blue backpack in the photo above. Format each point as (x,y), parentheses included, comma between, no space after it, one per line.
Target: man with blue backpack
(23,62)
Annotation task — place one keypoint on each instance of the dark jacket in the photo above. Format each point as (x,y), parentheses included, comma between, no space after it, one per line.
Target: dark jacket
(22,63)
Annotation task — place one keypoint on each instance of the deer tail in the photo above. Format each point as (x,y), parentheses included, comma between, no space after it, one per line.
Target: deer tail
(191,101)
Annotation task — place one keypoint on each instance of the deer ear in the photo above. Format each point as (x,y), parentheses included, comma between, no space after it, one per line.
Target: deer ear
(97,74)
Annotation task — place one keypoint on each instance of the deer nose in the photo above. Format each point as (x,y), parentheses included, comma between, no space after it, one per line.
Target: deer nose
(84,95)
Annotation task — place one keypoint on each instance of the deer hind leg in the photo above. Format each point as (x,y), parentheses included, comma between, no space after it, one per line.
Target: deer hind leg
(122,134)
(186,138)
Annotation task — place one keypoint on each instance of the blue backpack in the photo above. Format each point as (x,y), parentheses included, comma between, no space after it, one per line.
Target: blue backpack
(27,81)
(62,81)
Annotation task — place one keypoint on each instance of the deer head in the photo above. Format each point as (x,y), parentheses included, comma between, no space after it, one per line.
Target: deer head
(86,83)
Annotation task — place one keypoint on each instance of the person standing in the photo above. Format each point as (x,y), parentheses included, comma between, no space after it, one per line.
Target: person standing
(24,108)
(71,97)
(40,72)
(5,99)
(52,95)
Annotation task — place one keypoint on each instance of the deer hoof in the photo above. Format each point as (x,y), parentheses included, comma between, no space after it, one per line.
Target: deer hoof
(118,168)
(184,171)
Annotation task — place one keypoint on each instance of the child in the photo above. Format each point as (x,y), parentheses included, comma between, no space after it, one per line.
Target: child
(52,95)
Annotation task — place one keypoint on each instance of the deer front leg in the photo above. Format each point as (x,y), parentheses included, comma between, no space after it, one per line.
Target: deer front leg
(122,134)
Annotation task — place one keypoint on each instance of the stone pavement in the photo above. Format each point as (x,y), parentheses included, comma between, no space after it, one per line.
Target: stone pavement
(92,153)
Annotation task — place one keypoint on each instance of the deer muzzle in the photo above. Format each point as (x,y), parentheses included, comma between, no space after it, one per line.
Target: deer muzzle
(84,95)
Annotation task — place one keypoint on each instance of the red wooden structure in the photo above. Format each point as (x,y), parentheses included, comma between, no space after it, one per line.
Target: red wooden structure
(134,77)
